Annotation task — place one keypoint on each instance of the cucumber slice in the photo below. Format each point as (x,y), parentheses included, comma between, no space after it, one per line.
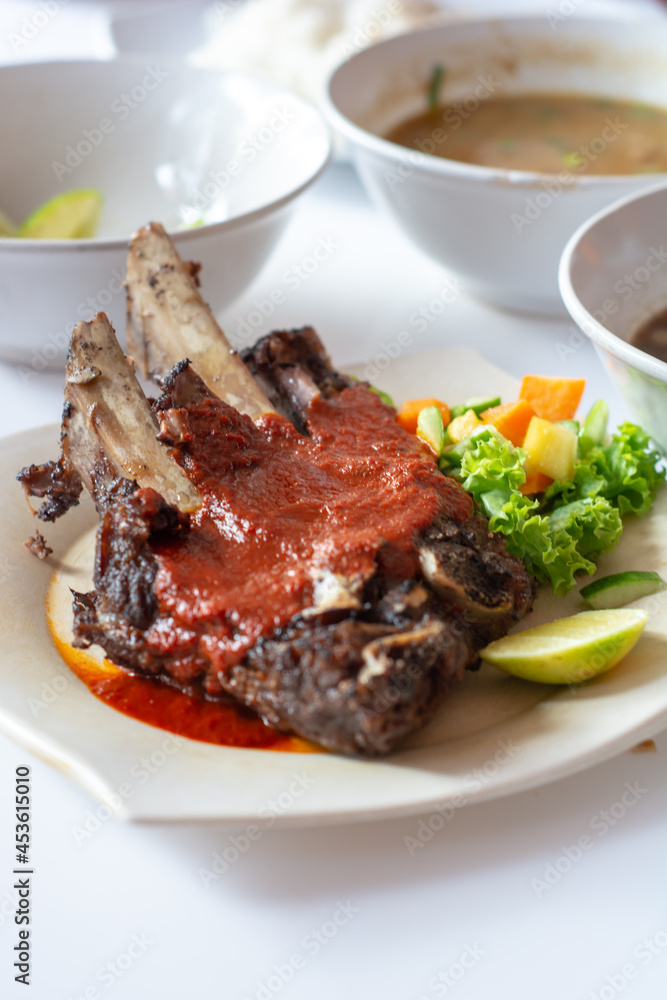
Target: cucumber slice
(621,588)
(430,429)
(457,411)
(594,430)
(478,404)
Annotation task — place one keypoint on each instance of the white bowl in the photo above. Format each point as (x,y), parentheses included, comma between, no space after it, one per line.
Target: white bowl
(501,231)
(161,143)
(613,278)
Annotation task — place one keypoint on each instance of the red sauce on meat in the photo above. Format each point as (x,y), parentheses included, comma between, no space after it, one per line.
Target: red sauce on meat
(224,723)
(281,508)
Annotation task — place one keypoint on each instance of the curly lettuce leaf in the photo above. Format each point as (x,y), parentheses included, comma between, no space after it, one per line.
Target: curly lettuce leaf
(492,470)
(625,472)
(628,466)
(575,522)
(593,523)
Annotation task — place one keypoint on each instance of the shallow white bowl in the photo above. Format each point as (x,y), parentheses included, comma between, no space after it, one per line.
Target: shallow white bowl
(501,231)
(161,143)
(613,278)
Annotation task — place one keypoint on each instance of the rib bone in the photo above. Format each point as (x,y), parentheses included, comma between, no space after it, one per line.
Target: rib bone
(168,320)
(107,412)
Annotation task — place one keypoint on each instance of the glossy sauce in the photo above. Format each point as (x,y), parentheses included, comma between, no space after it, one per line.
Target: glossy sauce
(546,133)
(279,510)
(652,337)
(282,510)
(222,722)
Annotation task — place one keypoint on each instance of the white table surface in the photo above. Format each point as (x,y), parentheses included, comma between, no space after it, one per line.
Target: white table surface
(493,907)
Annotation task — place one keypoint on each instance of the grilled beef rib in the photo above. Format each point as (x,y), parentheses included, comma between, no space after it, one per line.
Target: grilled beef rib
(293,548)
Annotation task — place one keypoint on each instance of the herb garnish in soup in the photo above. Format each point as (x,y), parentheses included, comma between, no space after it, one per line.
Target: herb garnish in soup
(546,133)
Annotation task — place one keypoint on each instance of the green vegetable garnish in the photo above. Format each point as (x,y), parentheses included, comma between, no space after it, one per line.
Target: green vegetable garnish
(560,534)
(430,429)
(621,588)
(435,86)
(594,428)
(477,404)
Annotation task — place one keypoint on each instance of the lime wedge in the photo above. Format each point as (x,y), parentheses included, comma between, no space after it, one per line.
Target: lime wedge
(621,588)
(72,215)
(7,227)
(569,650)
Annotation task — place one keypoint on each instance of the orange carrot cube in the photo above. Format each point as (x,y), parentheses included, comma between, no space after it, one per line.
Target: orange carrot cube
(511,420)
(409,413)
(536,482)
(551,397)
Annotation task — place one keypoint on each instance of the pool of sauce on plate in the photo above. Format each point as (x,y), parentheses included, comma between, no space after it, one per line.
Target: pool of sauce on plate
(652,337)
(222,722)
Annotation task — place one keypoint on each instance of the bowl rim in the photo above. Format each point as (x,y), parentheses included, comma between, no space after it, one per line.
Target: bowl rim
(475,172)
(212,229)
(634,357)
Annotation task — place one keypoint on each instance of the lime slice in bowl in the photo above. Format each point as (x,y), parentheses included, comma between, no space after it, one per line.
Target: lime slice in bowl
(568,650)
(72,215)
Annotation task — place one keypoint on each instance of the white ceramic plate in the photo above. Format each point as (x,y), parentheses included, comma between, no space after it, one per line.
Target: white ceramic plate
(496,735)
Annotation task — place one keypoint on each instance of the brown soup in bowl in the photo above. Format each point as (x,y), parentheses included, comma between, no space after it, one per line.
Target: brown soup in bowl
(544,133)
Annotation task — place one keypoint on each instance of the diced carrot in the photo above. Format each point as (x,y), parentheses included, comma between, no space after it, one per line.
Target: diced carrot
(551,397)
(410,410)
(511,420)
(489,416)
(536,482)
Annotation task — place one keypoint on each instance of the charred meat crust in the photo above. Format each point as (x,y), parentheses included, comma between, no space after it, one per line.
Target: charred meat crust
(356,675)
(309,680)
(125,568)
(292,367)
(381,645)
(57,483)
(356,684)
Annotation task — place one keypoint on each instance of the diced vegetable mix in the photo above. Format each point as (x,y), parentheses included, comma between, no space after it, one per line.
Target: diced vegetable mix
(409,413)
(552,398)
(556,490)
(431,429)
(511,419)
